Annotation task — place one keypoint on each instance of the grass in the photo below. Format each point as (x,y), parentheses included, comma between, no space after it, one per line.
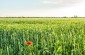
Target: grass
(49,36)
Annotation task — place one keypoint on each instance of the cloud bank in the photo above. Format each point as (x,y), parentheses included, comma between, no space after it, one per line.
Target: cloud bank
(60,3)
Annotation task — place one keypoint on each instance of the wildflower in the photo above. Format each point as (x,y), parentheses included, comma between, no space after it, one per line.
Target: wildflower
(29,43)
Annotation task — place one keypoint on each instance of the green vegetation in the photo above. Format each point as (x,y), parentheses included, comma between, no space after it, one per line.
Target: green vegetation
(49,36)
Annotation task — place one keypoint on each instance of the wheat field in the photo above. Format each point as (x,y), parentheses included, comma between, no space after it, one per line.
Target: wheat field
(49,36)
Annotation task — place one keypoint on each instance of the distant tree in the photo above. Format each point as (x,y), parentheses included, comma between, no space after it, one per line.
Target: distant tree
(64,17)
(75,16)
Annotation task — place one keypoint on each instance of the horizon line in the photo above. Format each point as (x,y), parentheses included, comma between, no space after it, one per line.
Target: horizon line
(39,17)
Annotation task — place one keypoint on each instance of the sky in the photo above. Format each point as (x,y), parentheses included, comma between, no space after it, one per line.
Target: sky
(42,8)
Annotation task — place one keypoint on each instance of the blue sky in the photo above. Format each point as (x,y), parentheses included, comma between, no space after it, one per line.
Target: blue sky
(19,4)
(42,7)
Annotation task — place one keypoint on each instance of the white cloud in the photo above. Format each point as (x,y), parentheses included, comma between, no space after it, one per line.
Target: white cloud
(52,1)
(61,2)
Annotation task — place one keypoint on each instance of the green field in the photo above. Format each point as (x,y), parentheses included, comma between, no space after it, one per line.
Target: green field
(64,36)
